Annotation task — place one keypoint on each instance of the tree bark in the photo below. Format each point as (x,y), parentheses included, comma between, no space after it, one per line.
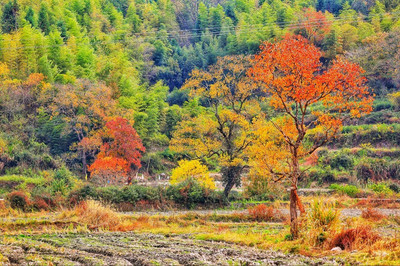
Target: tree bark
(84,163)
(294,230)
(129,179)
(294,197)
(231,176)
(228,187)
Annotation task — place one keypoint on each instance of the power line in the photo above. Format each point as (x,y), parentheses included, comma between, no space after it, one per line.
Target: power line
(282,24)
(236,29)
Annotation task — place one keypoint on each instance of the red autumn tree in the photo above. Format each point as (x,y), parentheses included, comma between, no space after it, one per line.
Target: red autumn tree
(109,170)
(313,103)
(314,25)
(120,152)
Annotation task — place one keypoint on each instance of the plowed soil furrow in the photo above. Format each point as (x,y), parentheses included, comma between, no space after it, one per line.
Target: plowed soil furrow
(140,249)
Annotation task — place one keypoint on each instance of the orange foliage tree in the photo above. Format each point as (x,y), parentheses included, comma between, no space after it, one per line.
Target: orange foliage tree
(223,132)
(119,154)
(313,103)
(84,107)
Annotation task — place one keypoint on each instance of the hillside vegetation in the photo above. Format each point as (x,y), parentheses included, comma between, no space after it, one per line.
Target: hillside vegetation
(143,132)
(80,79)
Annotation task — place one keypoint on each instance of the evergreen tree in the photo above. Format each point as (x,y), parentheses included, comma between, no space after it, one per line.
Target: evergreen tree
(133,18)
(216,17)
(43,19)
(85,61)
(30,17)
(202,20)
(46,68)
(28,62)
(63,29)
(10,16)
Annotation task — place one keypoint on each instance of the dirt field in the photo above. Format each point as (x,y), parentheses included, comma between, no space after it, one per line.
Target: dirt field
(139,249)
(196,237)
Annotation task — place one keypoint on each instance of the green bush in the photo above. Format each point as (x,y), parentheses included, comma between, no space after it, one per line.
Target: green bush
(321,176)
(380,188)
(341,161)
(86,192)
(190,193)
(375,134)
(377,170)
(18,200)
(64,174)
(59,186)
(131,194)
(153,163)
(168,154)
(349,190)
(395,188)
(382,104)
(147,193)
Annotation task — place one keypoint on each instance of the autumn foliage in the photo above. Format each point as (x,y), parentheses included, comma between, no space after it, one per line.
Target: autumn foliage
(314,25)
(223,133)
(120,152)
(193,169)
(292,75)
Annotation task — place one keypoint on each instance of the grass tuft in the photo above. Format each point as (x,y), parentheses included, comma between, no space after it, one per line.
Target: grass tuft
(355,238)
(97,216)
(372,214)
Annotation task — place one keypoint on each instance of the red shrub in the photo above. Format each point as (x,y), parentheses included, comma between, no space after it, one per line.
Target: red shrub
(40,204)
(355,238)
(263,213)
(372,214)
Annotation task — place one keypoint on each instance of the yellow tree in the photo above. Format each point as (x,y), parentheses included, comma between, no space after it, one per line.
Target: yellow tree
(311,100)
(223,131)
(192,169)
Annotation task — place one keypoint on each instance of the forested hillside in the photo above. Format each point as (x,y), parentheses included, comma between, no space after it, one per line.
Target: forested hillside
(75,74)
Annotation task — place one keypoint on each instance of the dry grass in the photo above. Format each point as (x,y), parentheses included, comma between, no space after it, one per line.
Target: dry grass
(262,213)
(355,238)
(321,228)
(372,202)
(372,214)
(96,215)
(321,221)
(7,212)
(338,201)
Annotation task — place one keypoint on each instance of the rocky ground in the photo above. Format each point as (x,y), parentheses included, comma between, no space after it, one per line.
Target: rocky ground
(139,249)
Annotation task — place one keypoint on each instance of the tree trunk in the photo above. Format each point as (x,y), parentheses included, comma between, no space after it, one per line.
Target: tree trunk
(231,176)
(294,230)
(294,197)
(228,187)
(129,179)
(84,163)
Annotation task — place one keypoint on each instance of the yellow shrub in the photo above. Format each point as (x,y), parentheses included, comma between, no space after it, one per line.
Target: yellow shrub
(192,169)
(3,146)
(395,99)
